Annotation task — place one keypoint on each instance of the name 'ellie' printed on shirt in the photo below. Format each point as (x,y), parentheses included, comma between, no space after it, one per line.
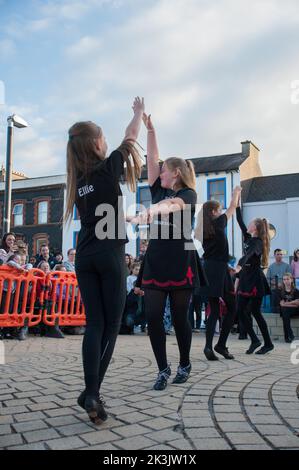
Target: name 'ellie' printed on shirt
(85,190)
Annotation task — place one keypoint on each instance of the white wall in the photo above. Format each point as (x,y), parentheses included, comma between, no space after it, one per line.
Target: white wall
(284,216)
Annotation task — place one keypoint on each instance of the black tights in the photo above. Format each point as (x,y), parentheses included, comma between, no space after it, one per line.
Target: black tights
(228,320)
(255,304)
(102,283)
(154,301)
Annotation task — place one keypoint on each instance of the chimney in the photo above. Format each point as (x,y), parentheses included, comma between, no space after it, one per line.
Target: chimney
(251,166)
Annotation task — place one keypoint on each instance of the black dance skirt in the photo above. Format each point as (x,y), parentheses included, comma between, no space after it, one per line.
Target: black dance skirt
(220,282)
(253,282)
(168,265)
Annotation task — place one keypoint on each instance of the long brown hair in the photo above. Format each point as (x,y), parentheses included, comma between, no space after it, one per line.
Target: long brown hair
(293,287)
(185,169)
(204,226)
(83,157)
(262,228)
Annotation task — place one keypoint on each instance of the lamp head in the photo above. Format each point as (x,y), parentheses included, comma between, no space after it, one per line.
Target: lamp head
(17,121)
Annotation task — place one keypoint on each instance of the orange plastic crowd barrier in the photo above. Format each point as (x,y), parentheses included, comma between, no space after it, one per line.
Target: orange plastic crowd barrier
(18,297)
(63,300)
(30,297)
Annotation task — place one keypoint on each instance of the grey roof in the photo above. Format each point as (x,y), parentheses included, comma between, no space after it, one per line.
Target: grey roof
(214,164)
(270,188)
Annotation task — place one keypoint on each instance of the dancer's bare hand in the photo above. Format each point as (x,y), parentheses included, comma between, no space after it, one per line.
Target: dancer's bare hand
(138,105)
(138,291)
(148,122)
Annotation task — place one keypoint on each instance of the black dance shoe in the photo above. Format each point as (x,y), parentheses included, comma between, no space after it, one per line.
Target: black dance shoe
(265,349)
(53,332)
(94,406)
(22,333)
(253,347)
(182,374)
(223,351)
(289,339)
(163,376)
(210,355)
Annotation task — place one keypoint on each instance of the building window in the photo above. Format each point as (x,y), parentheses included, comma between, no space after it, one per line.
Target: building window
(38,240)
(217,191)
(42,212)
(17,214)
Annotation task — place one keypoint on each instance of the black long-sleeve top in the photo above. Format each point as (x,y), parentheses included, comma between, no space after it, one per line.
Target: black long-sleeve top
(253,246)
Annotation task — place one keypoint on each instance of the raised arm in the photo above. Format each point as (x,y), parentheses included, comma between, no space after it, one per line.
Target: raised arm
(234,202)
(133,128)
(241,222)
(153,167)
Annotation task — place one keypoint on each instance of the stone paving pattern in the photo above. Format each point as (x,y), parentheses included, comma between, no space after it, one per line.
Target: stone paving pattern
(249,403)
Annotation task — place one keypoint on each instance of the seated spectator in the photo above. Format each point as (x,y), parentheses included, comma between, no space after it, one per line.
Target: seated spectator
(128,264)
(7,247)
(275,274)
(23,262)
(49,331)
(70,263)
(289,305)
(143,248)
(133,277)
(32,260)
(45,256)
(58,257)
(129,318)
(295,266)
(14,261)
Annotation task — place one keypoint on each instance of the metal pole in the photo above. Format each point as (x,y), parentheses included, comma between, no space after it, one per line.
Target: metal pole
(7,193)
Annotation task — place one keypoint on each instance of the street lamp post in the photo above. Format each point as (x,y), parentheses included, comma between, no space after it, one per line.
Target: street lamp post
(12,121)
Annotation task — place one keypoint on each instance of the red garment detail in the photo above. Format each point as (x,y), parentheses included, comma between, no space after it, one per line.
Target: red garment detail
(222,308)
(166,283)
(253,293)
(190,275)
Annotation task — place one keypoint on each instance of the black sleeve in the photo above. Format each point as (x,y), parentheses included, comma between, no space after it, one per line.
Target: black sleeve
(296,294)
(188,195)
(255,248)
(115,164)
(220,222)
(241,224)
(156,188)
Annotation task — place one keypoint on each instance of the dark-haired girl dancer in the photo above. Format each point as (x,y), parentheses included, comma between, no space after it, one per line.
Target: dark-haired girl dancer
(170,267)
(92,181)
(211,230)
(253,284)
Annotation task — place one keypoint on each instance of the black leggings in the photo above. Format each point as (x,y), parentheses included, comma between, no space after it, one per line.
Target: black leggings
(154,301)
(228,321)
(286,313)
(255,309)
(102,283)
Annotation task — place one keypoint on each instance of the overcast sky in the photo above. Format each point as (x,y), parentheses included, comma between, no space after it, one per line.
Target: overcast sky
(213,73)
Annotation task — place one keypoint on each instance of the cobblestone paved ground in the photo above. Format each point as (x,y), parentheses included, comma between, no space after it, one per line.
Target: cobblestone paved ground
(249,403)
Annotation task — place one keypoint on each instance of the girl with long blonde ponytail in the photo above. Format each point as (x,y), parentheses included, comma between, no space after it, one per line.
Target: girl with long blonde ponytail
(171,267)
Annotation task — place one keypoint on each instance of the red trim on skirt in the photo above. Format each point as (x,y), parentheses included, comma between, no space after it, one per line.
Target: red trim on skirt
(189,277)
(253,293)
